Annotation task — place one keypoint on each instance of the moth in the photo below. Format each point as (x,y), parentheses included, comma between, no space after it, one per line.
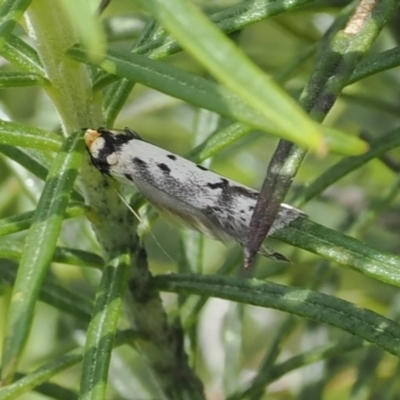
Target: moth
(194,195)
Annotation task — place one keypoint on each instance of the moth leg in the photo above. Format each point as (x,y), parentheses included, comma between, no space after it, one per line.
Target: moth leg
(270,253)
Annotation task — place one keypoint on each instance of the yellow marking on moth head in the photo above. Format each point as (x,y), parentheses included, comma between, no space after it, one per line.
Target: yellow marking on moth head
(90,137)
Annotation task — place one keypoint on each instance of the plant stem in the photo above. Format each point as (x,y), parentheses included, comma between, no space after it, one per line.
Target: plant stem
(71,93)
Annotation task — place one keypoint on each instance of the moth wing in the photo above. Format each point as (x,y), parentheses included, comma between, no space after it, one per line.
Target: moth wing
(227,226)
(196,220)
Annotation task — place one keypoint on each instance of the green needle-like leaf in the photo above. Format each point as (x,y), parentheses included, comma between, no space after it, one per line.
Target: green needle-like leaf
(22,55)
(27,136)
(103,327)
(227,136)
(20,222)
(39,249)
(11,12)
(375,64)
(380,146)
(204,41)
(86,24)
(47,371)
(343,346)
(23,158)
(14,79)
(65,255)
(358,321)
(201,92)
(342,249)
(52,292)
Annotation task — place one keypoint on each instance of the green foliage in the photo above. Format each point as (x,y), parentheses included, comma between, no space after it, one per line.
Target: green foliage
(216,79)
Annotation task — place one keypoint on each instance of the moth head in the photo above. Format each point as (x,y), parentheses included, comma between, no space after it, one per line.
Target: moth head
(104,145)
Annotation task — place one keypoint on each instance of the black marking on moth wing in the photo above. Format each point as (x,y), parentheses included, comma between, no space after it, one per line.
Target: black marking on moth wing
(171,157)
(224,214)
(201,167)
(164,168)
(242,191)
(143,168)
(224,222)
(113,141)
(129,177)
(223,184)
(229,192)
(139,162)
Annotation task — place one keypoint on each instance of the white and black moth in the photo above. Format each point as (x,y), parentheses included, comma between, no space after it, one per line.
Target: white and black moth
(200,198)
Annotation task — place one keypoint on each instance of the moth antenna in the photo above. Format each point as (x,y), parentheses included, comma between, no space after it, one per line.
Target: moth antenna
(137,216)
